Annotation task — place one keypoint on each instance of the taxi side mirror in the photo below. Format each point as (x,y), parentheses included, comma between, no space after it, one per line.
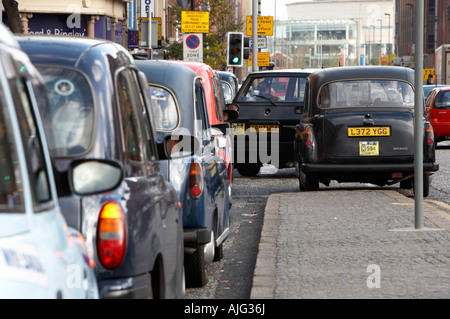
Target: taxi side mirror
(87,177)
(176,146)
(230,115)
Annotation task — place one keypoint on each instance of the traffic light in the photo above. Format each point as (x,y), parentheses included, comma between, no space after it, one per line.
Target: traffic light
(246,47)
(235,49)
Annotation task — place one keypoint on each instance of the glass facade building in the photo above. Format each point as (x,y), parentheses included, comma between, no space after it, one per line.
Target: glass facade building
(317,43)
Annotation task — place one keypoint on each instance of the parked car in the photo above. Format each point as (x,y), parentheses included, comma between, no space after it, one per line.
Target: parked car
(105,144)
(230,85)
(358,126)
(40,257)
(218,115)
(437,108)
(268,104)
(179,102)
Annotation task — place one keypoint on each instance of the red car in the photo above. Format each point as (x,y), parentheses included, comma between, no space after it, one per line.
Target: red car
(215,103)
(437,108)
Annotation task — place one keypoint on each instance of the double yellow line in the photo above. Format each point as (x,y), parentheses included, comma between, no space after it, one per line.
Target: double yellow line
(441,208)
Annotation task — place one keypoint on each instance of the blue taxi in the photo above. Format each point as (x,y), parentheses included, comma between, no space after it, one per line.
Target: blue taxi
(106,165)
(201,179)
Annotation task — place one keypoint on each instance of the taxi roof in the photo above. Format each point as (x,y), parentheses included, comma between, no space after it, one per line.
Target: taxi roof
(362,72)
(63,50)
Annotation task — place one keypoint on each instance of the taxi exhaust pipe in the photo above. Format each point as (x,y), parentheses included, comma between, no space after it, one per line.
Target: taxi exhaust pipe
(404,178)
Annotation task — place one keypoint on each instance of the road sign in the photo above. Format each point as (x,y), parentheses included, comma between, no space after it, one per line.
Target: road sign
(193,47)
(265,25)
(262,43)
(263,59)
(192,41)
(195,21)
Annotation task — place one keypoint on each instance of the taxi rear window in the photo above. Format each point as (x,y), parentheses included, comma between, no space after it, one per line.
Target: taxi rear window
(275,88)
(72,111)
(365,93)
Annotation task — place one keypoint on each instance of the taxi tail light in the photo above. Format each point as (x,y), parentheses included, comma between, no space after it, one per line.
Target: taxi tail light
(111,235)
(308,136)
(195,180)
(429,134)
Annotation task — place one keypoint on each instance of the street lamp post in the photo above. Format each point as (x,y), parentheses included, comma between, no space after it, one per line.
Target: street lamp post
(381,41)
(418,129)
(389,33)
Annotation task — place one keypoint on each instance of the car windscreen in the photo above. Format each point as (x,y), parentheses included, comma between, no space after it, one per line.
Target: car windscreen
(275,88)
(365,93)
(164,109)
(72,111)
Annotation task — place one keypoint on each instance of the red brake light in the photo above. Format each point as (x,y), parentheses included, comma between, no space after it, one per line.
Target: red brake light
(195,180)
(429,134)
(111,235)
(308,141)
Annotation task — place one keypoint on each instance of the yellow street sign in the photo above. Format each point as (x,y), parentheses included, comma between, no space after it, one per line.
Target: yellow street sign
(428,74)
(195,21)
(263,59)
(265,25)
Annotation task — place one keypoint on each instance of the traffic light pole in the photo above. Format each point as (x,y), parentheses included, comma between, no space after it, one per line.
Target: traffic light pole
(255,35)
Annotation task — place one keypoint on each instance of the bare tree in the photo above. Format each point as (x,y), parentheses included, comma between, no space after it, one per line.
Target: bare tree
(12,13)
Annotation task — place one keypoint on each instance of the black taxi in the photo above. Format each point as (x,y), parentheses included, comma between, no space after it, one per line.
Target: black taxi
(358,126)
(268,104)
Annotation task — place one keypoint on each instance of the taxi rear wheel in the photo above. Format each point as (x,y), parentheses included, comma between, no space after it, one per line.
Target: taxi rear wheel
(195,263)
(195,268)
(307,181)
(248,170)
(426,185)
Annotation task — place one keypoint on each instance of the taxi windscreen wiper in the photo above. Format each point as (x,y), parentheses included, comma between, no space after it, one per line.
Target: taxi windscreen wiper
(266,98)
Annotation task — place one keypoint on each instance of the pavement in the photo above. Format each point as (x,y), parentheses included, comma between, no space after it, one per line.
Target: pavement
(359,244)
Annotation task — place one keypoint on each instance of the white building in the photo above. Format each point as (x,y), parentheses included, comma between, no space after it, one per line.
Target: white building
(336,32)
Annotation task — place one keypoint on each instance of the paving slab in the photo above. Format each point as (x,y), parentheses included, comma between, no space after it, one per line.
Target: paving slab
(358,244)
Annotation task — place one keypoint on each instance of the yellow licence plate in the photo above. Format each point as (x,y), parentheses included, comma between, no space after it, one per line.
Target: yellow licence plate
(238,128)
(369,148)
(369,131)
(265,128)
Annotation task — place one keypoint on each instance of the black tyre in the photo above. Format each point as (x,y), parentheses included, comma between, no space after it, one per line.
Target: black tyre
(308,182)
(195,268)
(248,170)
(407,184)
(426,185)
(218,253)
